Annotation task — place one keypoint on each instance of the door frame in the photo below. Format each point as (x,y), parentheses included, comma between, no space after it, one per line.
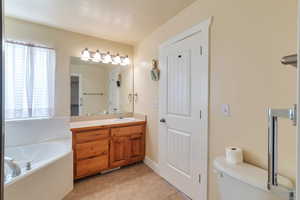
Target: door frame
(298,109)
(109,93)
(2,115)
(80,96)
(203,27)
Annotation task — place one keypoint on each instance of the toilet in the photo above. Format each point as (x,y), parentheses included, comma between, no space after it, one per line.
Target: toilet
(245,181)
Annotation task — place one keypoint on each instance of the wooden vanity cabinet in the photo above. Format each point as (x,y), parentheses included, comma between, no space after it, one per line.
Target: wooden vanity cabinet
(106,147)
(137,144)
(127,145)
(119,151)
(91,151)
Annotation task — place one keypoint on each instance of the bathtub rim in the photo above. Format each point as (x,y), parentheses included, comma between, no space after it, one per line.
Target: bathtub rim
(66,141)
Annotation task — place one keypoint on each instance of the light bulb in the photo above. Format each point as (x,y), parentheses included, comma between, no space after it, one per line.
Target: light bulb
(85,54)
(97,57)
(107,58)
(116,60)
(125,61)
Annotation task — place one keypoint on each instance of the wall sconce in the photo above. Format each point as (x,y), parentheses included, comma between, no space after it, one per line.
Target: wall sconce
(155,72)
(107,58)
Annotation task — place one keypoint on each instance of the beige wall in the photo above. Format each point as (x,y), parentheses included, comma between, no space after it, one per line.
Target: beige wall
(66,44)
(248,38)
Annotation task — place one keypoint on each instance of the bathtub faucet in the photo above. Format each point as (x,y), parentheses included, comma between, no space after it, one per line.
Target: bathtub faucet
(15,168)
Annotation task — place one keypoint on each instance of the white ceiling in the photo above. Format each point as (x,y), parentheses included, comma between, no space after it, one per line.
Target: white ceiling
(127,21)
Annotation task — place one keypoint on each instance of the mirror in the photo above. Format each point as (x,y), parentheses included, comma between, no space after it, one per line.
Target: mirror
(100,89)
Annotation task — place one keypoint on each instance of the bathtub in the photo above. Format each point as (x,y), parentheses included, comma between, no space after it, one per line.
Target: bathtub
(51,173)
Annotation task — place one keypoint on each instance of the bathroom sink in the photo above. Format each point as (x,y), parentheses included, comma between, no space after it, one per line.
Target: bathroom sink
(127,119)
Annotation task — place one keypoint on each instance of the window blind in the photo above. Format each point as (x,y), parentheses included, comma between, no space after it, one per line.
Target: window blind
(29,81)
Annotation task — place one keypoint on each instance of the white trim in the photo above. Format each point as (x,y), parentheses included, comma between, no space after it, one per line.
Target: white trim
(298,109)
(152,164)
(15,123)
(203,27)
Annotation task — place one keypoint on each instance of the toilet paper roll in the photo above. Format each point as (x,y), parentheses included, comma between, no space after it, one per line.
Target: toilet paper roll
(234,155)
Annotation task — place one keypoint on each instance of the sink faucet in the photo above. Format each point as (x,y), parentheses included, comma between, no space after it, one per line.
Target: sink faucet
(15,168)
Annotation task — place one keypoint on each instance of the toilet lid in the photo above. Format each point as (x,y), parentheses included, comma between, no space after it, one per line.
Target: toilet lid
(249,174)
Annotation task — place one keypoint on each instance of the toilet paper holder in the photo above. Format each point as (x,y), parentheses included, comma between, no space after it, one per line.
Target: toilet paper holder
(273,115)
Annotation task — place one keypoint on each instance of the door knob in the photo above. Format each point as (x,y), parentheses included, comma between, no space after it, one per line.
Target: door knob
(162,120)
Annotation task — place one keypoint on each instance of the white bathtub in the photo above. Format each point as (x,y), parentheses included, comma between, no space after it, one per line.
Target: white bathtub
(51,173)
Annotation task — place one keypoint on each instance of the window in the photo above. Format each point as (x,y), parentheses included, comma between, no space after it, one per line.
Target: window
(29,81)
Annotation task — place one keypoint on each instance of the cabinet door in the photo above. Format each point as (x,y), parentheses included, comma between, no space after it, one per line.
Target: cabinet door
(119,151)
(137,148)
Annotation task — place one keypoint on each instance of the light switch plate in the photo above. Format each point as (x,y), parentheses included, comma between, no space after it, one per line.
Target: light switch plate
(226,110)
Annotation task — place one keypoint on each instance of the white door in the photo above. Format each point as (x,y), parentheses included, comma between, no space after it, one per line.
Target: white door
(76,95)
(183,113)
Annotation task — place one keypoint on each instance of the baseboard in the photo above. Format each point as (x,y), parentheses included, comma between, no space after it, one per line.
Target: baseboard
(152,164)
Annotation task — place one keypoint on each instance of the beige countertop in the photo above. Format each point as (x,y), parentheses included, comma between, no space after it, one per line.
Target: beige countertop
(103,122)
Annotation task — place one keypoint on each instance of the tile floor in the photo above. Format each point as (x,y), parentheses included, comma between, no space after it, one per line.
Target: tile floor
(136,182)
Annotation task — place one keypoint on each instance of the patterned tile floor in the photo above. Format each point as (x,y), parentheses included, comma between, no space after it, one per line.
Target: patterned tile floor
(135,182)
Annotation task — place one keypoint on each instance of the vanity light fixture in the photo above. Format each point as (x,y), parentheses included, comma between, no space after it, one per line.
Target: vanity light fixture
(107,58)
(116,60)
(97,57)
(85,55)
(125,61)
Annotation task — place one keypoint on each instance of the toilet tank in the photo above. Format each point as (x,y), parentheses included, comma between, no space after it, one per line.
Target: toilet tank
(245,181)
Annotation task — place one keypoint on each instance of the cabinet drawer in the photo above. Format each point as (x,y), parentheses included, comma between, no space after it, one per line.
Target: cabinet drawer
(87,136)
(91,149)
(91,166)
(126,131)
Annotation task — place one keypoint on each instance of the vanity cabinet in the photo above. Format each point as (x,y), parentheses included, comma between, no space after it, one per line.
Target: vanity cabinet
(127,145)
(106,147)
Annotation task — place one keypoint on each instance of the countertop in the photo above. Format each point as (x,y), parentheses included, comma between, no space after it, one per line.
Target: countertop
(104,122)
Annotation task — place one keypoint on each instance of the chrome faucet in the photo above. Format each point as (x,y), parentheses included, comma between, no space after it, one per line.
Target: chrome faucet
(15,168)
